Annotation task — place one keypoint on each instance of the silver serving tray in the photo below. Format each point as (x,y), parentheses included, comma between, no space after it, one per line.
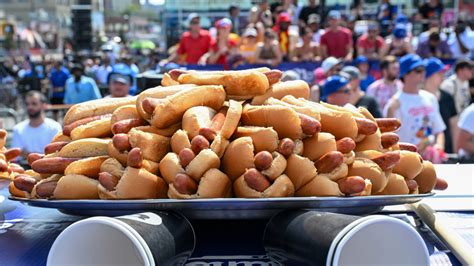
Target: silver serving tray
(232,208)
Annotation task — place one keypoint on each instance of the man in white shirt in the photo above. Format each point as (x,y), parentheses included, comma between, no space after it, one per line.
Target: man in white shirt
(466,133)
(461,41)
(33,134)
(103,71)
(457,85)
(418,111)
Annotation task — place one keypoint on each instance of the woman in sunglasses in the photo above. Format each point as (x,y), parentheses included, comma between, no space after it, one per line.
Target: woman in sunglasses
(418,111)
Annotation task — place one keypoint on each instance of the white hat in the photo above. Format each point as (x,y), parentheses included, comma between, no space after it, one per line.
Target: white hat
(250,32)
(329,63)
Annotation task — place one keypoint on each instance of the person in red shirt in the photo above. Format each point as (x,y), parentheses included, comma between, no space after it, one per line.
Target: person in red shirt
(193,44)
(370,44)
(223,48)
(337,40)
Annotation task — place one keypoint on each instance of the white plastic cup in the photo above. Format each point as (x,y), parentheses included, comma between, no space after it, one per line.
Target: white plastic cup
(319,238)
(140,239)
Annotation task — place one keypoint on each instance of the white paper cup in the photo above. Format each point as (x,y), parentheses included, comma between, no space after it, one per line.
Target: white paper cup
(378,240)
(321,238)
(140,239)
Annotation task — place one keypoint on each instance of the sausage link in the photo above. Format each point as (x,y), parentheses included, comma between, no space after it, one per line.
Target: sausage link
(407,147)
(121,142)
(286,147)
(52,165)
(108,181)
(389,139)
(68,128)
(411,184)
(388,124)
(309,125)
(329,161)
(199,143)
(3,165)
(186,155)
(441,184)
(12,153)
(256,180)
(54,147)
(32,157)
(263,160)
(273,76)
(135,158)
(46,189)
(175,73)
(215,126)
(184,184)
(351,185)
(124,126)
(149,105)
(345,145)
(365,126)
(387,160)
(24,183)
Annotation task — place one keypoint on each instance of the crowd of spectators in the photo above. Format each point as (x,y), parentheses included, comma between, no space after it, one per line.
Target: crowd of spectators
(434,101)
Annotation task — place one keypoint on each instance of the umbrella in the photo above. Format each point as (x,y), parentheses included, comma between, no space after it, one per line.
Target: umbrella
(142,44)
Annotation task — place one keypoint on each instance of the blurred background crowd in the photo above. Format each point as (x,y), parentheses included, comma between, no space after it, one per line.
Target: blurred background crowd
(405,59)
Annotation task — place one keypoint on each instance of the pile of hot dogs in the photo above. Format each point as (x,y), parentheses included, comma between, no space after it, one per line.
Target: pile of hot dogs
(8,169)
(223,134)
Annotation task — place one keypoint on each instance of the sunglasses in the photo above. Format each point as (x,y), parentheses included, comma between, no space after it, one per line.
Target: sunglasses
(345,91)
(419,70)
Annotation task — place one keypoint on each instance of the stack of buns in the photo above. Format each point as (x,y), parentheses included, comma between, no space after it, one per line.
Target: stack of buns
(223,134)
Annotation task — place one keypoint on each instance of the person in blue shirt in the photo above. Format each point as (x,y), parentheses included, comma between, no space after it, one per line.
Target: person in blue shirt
(58,77)
(80,88)
(362,63)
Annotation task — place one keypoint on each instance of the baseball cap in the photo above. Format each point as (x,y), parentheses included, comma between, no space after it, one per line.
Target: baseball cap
(223,23)
(120,78)
(400,31)
(192,16)
(329,63)
(250,32)
(361,60)
(352,71)
(314,18)
(433,66)
(410,62)
(284,17)
(334,14)
(332,84)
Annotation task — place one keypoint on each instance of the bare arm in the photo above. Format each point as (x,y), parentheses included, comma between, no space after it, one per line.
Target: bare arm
(465,141)
(440,139)
(392,108)
(324,51)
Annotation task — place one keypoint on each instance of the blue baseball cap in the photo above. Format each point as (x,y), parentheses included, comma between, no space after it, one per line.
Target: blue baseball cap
(361,60)
(334,14)
(400,31)
(433,66)
(401,18)
(332,84)
(410,62)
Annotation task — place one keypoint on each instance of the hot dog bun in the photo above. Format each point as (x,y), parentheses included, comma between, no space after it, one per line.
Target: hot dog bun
(426,179)
(76,187)
(89,167)
(96,129)
(296,88)
(281,187)
(95,108)
(410,164)
(83,148)
(238,157)
(239,85)
(264,138)
(213,184)
(172,108)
